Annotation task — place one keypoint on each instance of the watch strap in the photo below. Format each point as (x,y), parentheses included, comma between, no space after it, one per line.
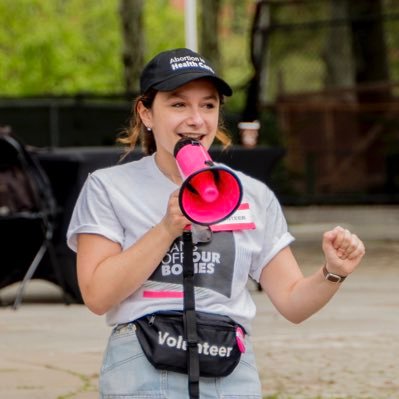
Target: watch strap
(334,278)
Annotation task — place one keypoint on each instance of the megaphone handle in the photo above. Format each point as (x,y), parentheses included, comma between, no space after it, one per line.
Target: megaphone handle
(201,233)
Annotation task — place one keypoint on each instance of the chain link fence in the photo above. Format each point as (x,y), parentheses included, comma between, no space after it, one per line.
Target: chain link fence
(331,79)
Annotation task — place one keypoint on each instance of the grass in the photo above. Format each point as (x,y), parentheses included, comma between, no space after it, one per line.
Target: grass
(87,382)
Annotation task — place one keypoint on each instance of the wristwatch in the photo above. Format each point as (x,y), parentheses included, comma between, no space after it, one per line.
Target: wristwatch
(334,278)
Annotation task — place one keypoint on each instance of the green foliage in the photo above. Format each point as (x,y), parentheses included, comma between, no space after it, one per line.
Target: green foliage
(74,46)
(59,47)
(164,27)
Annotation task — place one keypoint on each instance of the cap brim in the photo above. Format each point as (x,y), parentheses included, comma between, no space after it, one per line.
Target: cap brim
(180,80)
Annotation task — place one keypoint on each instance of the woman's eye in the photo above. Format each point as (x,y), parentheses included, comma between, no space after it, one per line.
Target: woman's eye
(178,105)
(210,105)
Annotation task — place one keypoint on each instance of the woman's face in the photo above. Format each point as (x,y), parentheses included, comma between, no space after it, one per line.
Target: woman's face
(191,111)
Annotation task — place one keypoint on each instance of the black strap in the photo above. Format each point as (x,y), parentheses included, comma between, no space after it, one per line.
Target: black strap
(190,320)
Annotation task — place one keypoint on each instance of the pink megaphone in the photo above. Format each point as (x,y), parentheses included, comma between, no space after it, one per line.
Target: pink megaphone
(209,193)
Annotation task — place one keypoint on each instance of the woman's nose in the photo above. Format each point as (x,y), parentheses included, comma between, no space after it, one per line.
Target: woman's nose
(195,117)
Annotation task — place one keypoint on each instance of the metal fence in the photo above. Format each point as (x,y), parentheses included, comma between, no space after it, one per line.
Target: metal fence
(332,83)
(304,44)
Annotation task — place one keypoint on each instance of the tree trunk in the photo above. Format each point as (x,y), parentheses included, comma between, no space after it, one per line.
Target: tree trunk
(209,32)
(338,54)
(369,48)
(371,67)
(259,57)
(131,14)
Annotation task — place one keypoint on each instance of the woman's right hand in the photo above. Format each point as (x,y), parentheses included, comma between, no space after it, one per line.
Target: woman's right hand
(174,221)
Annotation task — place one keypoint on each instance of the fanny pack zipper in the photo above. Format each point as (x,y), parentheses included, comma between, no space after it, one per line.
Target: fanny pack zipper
(212,323)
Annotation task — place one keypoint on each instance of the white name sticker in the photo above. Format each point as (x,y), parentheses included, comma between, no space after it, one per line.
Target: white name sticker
(241,219)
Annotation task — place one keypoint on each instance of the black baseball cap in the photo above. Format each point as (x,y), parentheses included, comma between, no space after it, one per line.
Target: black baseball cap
(173,68)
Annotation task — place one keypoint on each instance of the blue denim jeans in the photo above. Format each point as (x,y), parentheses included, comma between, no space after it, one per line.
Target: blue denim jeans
(126,373)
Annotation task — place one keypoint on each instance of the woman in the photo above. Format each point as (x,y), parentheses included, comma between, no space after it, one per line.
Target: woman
(127,226)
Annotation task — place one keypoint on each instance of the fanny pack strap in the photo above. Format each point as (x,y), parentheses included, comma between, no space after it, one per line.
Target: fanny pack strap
(189,317)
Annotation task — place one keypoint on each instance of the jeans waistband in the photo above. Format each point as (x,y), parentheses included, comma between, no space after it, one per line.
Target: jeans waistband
(125,327)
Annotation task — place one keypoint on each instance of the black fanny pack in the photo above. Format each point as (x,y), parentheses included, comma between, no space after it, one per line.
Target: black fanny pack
(219,344)
(191,342)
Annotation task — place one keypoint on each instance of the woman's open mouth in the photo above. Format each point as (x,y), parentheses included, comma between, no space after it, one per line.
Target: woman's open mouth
(193,136)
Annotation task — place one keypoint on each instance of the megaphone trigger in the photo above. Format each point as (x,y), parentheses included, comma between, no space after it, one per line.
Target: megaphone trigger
(209,163)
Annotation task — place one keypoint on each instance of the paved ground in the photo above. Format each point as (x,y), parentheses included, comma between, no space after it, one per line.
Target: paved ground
(348,350)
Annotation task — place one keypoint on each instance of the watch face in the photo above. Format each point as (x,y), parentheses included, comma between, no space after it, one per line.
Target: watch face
(333,277)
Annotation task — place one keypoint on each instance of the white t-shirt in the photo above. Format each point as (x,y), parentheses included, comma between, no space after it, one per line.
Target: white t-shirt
(123,202)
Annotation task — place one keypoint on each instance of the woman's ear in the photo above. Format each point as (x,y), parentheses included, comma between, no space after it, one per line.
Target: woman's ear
(145,114)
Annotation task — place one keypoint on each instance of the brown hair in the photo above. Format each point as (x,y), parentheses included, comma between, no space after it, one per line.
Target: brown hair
(136,131)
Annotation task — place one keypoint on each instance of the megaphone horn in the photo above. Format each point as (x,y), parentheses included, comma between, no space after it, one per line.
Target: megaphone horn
(209,193)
